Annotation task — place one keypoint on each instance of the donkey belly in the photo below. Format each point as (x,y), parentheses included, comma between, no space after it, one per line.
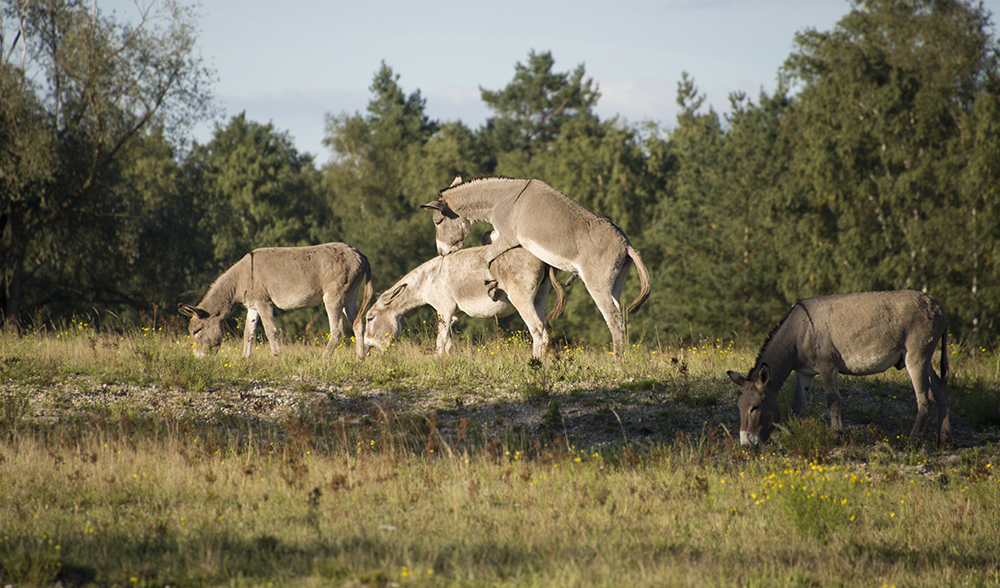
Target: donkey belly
(558,257)
(297,300)
(486,308)
(865,364)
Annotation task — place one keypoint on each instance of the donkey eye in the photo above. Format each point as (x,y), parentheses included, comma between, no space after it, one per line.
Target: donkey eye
(754,409)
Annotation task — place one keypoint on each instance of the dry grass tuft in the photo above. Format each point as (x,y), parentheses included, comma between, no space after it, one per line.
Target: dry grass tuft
(415,470)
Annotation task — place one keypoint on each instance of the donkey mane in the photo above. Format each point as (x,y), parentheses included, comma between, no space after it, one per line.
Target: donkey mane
(478,180)
(222,296)
(767,340)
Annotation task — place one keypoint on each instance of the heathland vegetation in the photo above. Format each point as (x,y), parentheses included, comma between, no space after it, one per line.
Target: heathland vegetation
(126,461)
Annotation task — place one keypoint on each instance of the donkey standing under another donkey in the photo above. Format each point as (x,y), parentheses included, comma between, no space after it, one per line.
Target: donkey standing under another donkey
(453,284)
(855,334)
(290,278)
(551,226)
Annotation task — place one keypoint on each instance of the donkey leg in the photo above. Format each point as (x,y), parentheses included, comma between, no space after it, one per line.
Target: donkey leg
(611,310)
(532,310)
(802,384)
(941,400)
(830,384)
(445,320)
(541,310)
(249,331)
(351,311)
(918,369)
(335,305)
(267,318)
(608,300)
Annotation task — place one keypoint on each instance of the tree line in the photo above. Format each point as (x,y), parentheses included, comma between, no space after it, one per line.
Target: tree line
(874,165)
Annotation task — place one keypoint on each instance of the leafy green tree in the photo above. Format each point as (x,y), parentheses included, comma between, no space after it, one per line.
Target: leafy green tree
(532,108)
(975,276)
(754,167)
(173,252)
(78,91)
(710,238)
(152,248)
(887,114)
(254,189)
(386,163)
(26,161)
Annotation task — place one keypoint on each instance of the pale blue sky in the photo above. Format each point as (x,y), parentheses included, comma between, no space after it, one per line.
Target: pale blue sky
(291,62)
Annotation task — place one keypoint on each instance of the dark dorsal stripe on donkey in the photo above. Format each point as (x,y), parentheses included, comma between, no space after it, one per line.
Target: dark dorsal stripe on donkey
(551,226)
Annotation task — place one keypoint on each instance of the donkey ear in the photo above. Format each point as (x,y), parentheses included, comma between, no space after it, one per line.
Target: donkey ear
(436,205)
(763,374)
(392,295)
(191,311)
(737,378)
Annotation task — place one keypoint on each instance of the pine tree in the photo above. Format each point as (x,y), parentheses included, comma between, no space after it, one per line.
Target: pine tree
(886,110)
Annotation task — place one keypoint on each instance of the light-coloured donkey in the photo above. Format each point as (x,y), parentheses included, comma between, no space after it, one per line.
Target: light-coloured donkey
(854,334)
(453,285)
(289,278)
(551,226)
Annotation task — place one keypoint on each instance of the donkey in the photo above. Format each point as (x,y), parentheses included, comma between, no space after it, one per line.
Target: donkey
(290,278)
(855,334)
(453,285)
(552,227)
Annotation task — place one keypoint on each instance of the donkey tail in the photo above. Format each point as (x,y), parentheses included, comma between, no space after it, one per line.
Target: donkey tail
(359,320)
(643,281)
(944,358)
(560,297)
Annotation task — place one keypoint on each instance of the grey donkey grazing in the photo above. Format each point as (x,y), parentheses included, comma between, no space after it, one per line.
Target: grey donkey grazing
(289,278)
(551,226)
(854,334)
(453,284)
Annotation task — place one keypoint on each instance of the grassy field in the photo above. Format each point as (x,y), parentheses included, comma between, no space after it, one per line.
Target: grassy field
(124,461)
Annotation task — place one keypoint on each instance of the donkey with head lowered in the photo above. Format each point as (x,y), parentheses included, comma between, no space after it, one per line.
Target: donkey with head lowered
(552,227)
(290,278)
(854,334)
(453,284)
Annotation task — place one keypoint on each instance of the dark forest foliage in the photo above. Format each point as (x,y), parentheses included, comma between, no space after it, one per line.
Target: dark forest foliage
(874,165)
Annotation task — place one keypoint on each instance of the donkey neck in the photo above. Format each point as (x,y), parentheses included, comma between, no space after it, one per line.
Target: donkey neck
(229,289)
(478,200)
(780,352)
(417,282)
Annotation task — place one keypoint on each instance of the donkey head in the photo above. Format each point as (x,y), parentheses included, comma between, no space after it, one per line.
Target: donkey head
(451,229)
(206,330)
(759,410)
(383,321)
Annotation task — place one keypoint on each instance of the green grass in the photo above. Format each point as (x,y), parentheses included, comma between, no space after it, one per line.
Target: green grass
(406,492)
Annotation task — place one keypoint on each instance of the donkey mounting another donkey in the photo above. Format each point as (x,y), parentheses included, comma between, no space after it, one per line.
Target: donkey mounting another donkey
(551,226)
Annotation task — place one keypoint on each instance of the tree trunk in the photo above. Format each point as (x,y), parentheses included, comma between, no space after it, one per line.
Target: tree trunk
(12,276)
